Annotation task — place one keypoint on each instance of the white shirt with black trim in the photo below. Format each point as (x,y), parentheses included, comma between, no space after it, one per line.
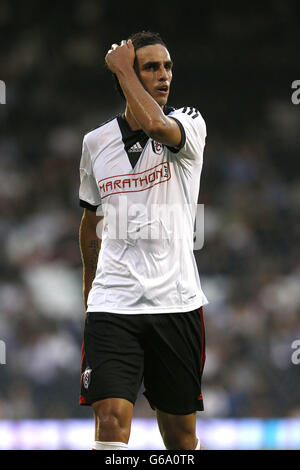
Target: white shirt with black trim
(149,200)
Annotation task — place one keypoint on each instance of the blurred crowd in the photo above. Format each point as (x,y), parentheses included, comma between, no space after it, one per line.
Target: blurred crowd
(57,90)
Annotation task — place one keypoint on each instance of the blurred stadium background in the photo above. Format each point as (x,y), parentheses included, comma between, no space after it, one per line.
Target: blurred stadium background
(236,63)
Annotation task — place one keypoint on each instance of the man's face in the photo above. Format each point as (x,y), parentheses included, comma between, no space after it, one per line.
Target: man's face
(154,69)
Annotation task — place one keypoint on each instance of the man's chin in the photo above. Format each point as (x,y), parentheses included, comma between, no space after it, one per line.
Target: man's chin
(162,101)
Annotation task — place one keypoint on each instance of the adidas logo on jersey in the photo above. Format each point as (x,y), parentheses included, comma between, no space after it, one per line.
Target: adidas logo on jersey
(136,148)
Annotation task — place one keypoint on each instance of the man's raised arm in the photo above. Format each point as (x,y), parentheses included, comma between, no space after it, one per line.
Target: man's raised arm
(145,109)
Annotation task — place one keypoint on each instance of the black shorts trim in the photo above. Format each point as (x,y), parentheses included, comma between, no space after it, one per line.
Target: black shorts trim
(82,400)
(168,408)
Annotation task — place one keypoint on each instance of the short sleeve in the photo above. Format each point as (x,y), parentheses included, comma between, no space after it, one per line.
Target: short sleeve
(89,196)
(193,133)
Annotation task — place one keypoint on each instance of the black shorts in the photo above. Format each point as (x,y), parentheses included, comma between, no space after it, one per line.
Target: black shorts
(166,351)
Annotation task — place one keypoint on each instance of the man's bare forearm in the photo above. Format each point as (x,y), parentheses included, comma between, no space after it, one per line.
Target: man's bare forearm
(90,246)
(144,108)
(90,267)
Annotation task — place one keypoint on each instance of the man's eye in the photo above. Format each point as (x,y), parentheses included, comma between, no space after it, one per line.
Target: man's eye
(151,67)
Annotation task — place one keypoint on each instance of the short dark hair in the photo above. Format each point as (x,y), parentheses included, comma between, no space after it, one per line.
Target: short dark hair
(139,40)
(146,38)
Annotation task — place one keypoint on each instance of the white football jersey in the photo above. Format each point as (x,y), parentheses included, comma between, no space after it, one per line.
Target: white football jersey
(148,194)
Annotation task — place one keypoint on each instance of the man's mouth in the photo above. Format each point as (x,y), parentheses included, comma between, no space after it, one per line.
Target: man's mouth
(163,89)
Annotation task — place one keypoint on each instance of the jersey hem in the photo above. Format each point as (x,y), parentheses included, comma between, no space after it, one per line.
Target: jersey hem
(152,310)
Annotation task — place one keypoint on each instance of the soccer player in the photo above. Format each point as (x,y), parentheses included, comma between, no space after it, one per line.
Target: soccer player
(140,178)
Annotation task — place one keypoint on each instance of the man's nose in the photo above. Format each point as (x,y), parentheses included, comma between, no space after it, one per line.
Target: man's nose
(162,74)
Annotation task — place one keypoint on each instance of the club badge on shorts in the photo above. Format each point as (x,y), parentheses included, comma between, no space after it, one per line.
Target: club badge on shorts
(86,378)
(157,147)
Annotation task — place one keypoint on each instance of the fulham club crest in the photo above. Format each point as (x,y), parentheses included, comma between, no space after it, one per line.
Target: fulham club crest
(86,378)
(157,147)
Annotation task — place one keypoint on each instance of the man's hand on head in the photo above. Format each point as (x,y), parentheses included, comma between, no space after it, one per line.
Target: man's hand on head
(120,57)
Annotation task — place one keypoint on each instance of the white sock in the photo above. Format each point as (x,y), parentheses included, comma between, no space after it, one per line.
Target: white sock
(98,445)
(198,444)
